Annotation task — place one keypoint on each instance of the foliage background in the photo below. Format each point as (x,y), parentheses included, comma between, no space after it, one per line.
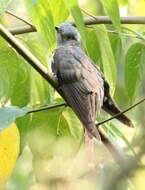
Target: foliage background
(47,148)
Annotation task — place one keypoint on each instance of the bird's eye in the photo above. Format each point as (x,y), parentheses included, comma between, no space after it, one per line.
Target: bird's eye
(69,37)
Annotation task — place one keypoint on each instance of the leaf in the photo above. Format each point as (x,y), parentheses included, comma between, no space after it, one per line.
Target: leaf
(52,147)
(93,46)
(116,46)
(21,97)
(9,150)
(44,127)
(74,123)
(39,87)
(8,72)
(78,17)
(40,94)
(123,2)
(40,12)
(59,11)
(3,6)
(26,92)
(3,42)
(134,69)
(107,57)
(34,44)
(112,10)
(9,114)
(21,90)
(23,124)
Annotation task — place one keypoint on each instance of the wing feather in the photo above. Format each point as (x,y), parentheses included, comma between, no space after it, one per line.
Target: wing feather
(81,83)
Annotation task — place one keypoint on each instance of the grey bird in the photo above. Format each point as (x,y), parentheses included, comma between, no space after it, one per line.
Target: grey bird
(84,86)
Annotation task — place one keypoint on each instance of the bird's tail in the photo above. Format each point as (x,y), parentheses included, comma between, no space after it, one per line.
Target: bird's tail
(92,130)
(110,107)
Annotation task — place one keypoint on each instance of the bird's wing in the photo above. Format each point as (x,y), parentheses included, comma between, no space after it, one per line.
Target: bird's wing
(71,64)
(110,106)
(80,82)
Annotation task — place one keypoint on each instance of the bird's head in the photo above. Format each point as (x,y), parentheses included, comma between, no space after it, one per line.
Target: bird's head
(67,34)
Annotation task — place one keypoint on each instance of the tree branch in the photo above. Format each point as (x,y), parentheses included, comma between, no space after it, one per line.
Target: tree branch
(22,30)
(87,21)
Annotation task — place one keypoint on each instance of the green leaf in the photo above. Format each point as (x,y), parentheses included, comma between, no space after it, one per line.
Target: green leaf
(44,126)
(39,91)
(78,17)
(40,94)
(123,2)
(30,88)
(3,43)
(134,69)
(74,123)
(93,46)
(3,6)
(23,124)
(116,46)
(40,12)
(107,57)
(21,89)
(9,114)
(34,44)
(59,11)
(8,72)
(112,10)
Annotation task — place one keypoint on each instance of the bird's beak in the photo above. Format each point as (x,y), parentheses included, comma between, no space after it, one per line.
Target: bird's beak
(57,28)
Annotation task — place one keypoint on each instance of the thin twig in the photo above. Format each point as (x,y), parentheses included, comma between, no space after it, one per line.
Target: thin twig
(21,30)
(19,18)
(116,115)
(47,108)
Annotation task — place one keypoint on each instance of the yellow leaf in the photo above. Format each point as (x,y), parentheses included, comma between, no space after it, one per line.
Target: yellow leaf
(9,149)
